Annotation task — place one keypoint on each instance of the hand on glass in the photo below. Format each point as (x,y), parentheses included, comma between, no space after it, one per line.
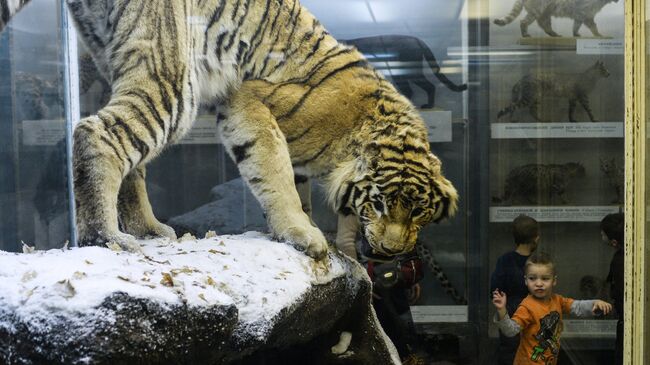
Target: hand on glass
(601,307)
(499,299)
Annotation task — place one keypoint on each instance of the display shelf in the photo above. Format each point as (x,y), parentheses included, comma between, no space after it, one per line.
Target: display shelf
(557,130)
(580,45)
(562,213)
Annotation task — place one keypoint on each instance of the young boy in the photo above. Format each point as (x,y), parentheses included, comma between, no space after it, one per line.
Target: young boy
(508,277)
(539,316)
(611,230)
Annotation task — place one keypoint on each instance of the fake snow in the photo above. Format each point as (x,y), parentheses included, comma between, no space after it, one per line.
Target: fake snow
(259,276)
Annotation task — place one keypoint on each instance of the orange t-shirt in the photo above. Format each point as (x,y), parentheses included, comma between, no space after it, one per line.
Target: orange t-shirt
(541,327)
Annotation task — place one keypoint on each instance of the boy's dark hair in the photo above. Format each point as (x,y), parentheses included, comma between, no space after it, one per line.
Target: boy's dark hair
(614,226)
(540,258)
(524,229)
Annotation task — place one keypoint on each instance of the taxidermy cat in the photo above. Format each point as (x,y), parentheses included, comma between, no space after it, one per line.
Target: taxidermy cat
(410,51)
(539,183)
(581,11)
(530,89)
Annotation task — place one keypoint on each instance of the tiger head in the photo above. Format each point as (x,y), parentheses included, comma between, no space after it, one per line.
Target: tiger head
(394,193)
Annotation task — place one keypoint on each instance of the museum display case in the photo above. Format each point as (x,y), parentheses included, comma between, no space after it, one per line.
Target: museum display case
(525,119)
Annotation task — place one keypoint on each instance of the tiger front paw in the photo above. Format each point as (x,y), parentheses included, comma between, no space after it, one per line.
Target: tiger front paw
(308,238)
(117,241)
(161,230)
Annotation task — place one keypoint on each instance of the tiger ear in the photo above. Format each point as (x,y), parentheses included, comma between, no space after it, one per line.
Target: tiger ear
(449,197)
(448,192)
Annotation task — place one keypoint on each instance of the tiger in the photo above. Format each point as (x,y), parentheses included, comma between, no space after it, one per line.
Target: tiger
(292,101)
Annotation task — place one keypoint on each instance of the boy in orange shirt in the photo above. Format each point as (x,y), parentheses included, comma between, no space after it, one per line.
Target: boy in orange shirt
(538,318)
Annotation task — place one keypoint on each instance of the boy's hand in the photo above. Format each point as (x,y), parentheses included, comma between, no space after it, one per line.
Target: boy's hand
(499,300)
(601,307)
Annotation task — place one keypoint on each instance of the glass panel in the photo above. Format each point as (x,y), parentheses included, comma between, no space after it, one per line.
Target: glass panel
(34,201)
(539,132)
(556,154)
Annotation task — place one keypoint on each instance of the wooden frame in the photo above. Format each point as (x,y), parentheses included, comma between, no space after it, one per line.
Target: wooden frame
(636,273)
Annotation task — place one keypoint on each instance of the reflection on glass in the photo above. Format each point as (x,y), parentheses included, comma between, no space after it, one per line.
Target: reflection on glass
(33,183)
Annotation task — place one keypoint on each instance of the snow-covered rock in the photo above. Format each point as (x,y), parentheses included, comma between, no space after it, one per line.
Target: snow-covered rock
(209,301)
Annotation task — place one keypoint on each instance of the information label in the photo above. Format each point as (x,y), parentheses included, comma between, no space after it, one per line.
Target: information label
(553,213)
(44,132)
(438,123)
(599,46)
(589,328)
(204,131)
(439,313)
(557,130)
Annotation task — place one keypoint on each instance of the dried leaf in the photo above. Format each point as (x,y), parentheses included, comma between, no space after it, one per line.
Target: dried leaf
(78,275)
(28,275)
(225,267)
(124,278)
(203,297)
(210,234)
(144,278)
(114,246)
(210,281)
(27,248)
(88,262)
(166,262)
(167,279)
(186,237)
(65,288)
(28,295)
(221,243)
(217,252)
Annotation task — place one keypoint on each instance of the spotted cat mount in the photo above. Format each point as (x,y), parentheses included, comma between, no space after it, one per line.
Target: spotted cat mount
(539,183)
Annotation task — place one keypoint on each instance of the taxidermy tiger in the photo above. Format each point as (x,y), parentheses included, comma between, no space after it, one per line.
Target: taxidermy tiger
(581,11)
(530,89)
(292,99)
(539,183)
(411,51)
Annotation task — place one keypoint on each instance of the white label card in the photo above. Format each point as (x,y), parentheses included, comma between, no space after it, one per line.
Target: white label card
(439,313)
(557,130)
(589,328)
(553,213)
(44,132)
(438,124)
(599,46)
(204,131)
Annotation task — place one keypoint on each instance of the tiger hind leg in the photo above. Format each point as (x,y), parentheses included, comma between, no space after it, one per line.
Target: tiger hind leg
(256,143)
(135,212)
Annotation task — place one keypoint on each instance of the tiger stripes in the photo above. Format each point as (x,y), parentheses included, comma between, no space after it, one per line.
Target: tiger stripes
(292,101)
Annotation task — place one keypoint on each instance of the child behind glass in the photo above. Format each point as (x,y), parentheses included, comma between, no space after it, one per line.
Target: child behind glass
(538,319)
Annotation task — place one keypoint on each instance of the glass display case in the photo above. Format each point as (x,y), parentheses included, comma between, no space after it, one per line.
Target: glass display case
(523,124)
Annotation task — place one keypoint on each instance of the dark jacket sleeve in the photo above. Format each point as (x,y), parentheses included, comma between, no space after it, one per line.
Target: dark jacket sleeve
(497,280)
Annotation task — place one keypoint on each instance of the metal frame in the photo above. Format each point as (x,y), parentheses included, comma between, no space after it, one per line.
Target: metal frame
(71,103)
